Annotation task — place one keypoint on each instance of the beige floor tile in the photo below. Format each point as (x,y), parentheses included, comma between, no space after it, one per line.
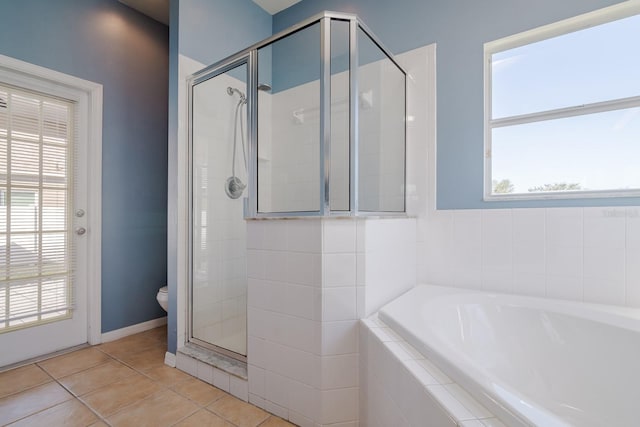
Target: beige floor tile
(199,391)
(148,359)
(93,378)
(204,418)
(166,375)
(20,405)
(19,379)
(113,397)
(127,346)
(238,412)
(71,413)
(274,421)
(99,424)
(158,334)
(162,409)
(71,363)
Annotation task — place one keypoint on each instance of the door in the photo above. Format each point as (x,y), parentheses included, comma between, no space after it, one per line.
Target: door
(43,224)
(219,162)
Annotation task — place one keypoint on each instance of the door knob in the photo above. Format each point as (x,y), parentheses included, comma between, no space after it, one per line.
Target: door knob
(80,231)
(80,213)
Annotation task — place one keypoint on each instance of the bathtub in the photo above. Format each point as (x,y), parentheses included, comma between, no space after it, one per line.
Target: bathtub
(530,361)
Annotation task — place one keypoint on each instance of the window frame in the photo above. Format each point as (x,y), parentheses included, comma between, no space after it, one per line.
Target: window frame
(602,16)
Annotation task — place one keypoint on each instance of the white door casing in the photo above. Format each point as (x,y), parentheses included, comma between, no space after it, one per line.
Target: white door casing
(85,325)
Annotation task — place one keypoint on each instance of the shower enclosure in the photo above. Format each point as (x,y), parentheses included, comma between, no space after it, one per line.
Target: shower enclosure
(310,122)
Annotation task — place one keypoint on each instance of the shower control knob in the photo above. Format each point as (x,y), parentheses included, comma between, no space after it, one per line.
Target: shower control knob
(80,231)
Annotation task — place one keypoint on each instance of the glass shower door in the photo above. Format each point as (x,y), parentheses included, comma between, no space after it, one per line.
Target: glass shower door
(218,229)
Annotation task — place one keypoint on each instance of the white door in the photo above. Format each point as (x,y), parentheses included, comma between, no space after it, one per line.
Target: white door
(43,223)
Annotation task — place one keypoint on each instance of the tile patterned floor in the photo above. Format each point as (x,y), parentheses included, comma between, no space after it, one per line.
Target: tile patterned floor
(120,383)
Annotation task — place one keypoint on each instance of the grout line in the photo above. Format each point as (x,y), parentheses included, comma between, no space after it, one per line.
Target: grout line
(38,359)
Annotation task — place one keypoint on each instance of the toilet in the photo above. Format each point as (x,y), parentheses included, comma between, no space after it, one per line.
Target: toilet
(163,297)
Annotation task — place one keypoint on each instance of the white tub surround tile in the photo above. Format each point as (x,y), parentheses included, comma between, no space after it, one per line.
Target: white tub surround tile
(492,422)
(394,396)
(604,255)
(401,382)
(582,254)
(304,310)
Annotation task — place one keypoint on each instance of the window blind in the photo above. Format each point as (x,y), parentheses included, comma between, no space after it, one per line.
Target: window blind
(36,195)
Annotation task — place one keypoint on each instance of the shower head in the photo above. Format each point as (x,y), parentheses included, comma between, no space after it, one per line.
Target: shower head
(232,90)
(264,87)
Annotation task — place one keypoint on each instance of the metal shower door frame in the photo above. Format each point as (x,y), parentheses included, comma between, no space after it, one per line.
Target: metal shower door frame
(201,76)
(250,56)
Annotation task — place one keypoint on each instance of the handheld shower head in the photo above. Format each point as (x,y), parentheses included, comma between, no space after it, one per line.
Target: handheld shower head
(232,90)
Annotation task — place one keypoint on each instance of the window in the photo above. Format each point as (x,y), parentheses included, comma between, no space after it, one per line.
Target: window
(562,109)
(35,245)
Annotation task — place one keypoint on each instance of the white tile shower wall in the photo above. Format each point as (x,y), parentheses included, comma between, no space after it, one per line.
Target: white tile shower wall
(289,163)
(294,159)
(421,133)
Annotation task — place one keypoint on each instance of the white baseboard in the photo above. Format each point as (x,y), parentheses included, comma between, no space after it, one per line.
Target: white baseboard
(170,359)
(133,329)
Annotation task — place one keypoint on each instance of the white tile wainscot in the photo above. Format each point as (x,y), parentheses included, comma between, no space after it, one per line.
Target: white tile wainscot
(310,281)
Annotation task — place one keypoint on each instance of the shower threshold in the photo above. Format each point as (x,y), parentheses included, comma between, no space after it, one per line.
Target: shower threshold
(217,360)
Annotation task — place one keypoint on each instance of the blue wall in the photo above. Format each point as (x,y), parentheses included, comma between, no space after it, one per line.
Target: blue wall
(207,31)
(211,30)
(460,28)
(111,44)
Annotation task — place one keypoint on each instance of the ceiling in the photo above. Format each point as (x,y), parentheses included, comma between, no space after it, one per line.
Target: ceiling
(159,9)
(275,6)
(156,9)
